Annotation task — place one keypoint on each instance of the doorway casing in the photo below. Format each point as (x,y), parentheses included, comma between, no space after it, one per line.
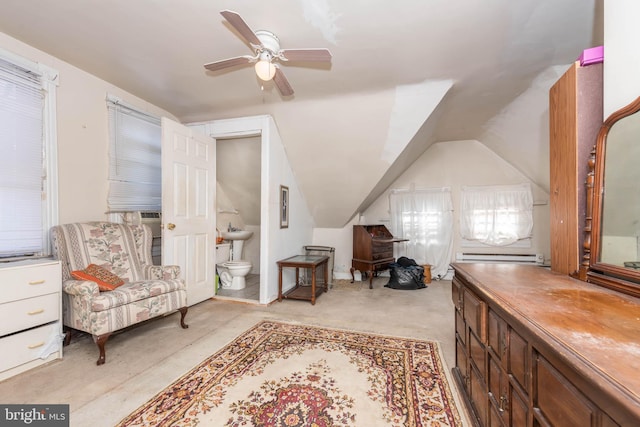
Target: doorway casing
(275,243)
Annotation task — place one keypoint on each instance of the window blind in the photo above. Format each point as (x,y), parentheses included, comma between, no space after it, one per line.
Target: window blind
(22,167)
(134,160)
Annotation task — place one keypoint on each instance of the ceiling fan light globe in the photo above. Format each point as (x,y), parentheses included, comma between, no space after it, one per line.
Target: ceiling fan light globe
(265,70)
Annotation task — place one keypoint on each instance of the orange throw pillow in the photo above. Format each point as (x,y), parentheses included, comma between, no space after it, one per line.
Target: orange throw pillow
(106,280)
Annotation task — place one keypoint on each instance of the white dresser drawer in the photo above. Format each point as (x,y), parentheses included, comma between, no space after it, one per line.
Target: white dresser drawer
(27,313)
(26,346)
(22,280)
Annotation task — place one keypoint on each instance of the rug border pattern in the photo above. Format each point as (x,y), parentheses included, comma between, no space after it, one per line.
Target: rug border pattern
(235,358)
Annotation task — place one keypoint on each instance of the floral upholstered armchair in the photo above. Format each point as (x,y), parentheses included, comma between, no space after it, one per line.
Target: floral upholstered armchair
(109,282)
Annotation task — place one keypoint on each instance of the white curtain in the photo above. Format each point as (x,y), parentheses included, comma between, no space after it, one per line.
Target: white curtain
(425,217)
(496,215)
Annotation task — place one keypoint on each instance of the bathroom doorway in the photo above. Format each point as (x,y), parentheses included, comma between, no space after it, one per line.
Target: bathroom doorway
(238,202)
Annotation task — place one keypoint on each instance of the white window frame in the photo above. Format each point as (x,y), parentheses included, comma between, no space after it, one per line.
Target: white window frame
(49,81)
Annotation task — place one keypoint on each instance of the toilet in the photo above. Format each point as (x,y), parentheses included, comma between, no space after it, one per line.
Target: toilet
(232,272)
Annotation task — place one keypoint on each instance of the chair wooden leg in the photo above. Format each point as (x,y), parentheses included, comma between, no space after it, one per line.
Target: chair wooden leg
(67,336)
(101,340)
(183,313)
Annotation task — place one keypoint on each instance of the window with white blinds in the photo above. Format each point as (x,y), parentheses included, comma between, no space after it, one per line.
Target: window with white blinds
(28,175)
(134,159)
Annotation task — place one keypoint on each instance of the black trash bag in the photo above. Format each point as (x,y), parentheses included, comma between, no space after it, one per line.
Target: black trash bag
(406,277)
(406,262)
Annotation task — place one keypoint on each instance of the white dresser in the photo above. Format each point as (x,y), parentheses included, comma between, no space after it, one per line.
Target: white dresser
(30,315)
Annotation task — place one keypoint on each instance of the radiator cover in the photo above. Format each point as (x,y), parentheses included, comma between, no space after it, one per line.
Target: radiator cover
(514,258)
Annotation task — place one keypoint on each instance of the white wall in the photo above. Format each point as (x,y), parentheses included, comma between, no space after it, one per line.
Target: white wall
(342,240)
(621,54)
(83,138)
(283,242)
(447,164)
(275,243)
(519,133)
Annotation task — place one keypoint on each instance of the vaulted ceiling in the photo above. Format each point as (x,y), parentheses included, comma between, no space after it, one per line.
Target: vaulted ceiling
(403,75)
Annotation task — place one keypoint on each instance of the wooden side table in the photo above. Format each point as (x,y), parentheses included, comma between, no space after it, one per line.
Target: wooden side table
(307,293)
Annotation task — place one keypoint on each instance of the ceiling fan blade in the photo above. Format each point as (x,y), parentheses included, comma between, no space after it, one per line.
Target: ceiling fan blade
(282,83)
(238,23)
(306,55)
(228,63)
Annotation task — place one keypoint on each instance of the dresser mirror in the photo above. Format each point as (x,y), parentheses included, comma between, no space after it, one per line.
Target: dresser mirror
(613,244)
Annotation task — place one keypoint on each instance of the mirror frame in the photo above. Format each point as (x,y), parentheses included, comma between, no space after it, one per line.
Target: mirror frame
(615,277)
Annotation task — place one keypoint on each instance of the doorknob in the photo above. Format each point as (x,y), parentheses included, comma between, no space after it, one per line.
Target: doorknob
(171,226)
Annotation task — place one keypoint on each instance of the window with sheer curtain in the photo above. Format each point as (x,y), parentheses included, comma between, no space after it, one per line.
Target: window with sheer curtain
(135,174)
(496,215)
(28,174)
(425,217)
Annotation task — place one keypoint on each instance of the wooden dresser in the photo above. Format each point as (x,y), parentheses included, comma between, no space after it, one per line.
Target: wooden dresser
(537,348)
(30,315)
(372,250)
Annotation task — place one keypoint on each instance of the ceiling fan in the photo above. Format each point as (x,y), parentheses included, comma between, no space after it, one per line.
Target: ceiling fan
(267,51)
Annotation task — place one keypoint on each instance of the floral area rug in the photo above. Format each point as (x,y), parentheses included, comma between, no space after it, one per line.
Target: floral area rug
(288,375)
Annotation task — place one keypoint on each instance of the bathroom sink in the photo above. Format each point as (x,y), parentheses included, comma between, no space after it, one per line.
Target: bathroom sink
(236,235)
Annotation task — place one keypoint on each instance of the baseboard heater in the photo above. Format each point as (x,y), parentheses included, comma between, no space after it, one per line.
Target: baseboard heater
(537,259)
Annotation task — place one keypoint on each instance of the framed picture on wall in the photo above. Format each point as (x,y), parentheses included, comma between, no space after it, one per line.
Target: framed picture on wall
(284,206)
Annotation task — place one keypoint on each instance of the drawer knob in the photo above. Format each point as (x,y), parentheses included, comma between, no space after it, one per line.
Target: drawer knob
(32,346)
(31,313)
(36,282)
(503,404)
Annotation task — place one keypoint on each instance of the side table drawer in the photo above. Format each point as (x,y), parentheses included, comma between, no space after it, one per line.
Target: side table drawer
(24,347)
(29,281)
(27,313)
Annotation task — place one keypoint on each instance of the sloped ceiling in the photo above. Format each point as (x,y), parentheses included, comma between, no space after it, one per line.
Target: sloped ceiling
(403,75)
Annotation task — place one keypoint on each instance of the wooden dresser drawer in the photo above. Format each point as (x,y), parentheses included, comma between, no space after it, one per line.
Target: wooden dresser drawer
(479,397)
(29,280)
(26,346)
(477,354)
(518,359)
(497,382)
(462,362)
(377,246)
(557,402)
(497,337)
(381,255)
(475,314)
(456,293)
(27,313)
(461,327)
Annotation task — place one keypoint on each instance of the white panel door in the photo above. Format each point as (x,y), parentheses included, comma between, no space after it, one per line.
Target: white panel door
(188,207)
